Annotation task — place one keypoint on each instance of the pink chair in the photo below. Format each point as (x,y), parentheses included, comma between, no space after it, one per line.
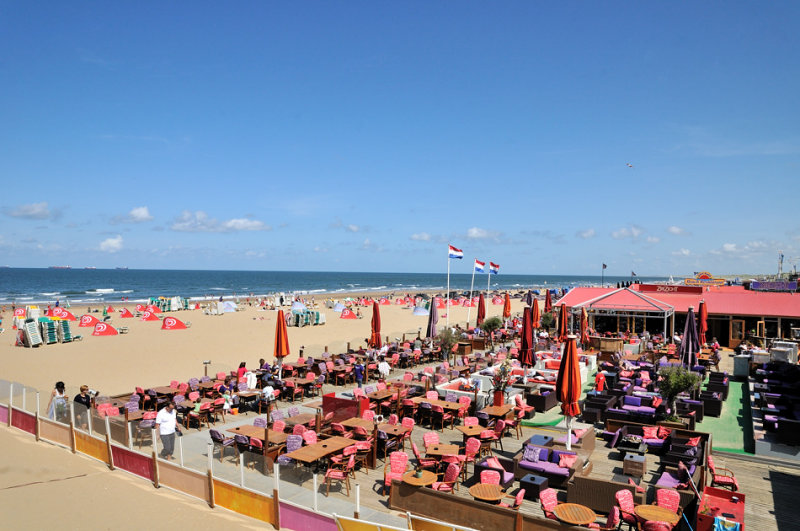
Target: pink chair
(310,437)
(393,419)
(336,473)
(438,413)
(449,482)
(521,406)
(654,525)
(626,507)
(471,421)
(549,500)
(669,499)
(430,438)
(490,477)
(279,425)
(517,501)
(298,429)
(368,414)
(722,476)
(612,522)
(394,469)
(432,395)
(423,462)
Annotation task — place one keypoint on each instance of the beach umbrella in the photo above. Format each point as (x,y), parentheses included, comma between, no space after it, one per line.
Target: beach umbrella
(481,310)
(139,307)
(562,323)
(529,298)
(152,308)
(88,320)
(507,307)
(384,301)
(584,327)
(548,302)
(149,316)
(375,338)
(298,306)
(126,313)
(347,313)
(497,300)
(526,356)
(421,310)
(536,318)
(64,315)
(104,329)
(568,385)
(170,323)
(690,344)
(281,342)
(399,301)
(433,318)
(439,303)
(702,327)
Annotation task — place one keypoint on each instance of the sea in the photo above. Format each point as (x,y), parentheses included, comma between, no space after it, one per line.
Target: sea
(96,286)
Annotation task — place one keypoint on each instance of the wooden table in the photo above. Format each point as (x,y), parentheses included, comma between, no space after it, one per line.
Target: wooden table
(356,422)
(486,492)
(165,390)
(453,406)
(427,478)
(497,411)
(380,395)
(314,405)
(324,448)
(656,513)
(275,437)
(393,430)
(574,514)
(302,418)
(441,449)
(471,431)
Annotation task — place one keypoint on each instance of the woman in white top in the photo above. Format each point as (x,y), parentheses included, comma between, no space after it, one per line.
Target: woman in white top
(57,407)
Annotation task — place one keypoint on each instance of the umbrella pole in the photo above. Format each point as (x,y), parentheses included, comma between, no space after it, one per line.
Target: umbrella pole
(447,294)
(569,433)
(471,286)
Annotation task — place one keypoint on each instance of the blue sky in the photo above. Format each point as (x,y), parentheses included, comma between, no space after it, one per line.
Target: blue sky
(365,136)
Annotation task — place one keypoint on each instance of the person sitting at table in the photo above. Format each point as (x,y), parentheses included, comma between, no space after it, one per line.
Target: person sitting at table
(226,387)
(384,368)
(240,373)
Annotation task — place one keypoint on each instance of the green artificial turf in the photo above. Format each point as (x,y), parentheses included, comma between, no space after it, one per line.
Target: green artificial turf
(733,429)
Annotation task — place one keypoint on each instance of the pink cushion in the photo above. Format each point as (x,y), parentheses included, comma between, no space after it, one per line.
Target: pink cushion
(650,432)
(567,460)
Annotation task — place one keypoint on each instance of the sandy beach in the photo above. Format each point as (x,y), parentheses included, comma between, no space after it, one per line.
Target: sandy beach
(148,356)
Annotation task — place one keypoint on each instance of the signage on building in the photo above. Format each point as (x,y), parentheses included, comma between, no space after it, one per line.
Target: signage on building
(663,288)
(704,278)
(773,285)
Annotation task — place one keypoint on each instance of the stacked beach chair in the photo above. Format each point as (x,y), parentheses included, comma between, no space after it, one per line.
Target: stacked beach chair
(32,336)
(65,334)
(49,330)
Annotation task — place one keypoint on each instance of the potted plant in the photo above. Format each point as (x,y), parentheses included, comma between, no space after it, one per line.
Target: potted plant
(674,381)
(447,338)
(489,326)
(500,380)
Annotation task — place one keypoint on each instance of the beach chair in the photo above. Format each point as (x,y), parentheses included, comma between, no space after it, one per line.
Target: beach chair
(64,332)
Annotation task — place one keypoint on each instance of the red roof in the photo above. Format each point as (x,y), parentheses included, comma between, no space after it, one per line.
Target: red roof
(720,300)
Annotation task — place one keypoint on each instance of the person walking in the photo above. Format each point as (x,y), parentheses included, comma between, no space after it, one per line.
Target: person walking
(167,425)
(57,407)
(358,371)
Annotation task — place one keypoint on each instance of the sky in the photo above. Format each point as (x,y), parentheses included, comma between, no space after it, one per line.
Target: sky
(547,137)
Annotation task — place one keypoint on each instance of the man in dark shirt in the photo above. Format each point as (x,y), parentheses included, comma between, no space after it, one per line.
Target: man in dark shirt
(358,371)
(82,411)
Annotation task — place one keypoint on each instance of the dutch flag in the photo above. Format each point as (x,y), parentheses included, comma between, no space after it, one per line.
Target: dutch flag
(479,266)
(494,268)
(455,253)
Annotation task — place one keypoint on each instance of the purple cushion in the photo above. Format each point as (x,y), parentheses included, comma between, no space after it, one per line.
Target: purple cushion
(563,439)
(668,481)
(508,477)
(658,443)
(531,453)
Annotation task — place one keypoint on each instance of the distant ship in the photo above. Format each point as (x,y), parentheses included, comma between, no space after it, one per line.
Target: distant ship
(60,267)
(90,267)
(121,268)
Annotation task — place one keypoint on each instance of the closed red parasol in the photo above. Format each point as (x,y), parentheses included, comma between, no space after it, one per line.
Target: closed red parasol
(703,328)
(375,338)
(281,337)
(526,356)
(536,317)
(563,324)
(548,302)
(568,385)
(584,327)
(507,307)
(481,310)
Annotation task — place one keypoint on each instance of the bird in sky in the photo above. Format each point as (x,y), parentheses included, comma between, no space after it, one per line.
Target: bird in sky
(628,164)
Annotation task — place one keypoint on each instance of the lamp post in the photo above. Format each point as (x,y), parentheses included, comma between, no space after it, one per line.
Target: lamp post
(206,363)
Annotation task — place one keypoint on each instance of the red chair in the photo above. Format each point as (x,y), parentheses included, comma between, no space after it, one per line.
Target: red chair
(669,499)
(722,476)
(521,406)
(423,462)
(360,433)
(394,469)
(490,477)
(293,391)
(517,500)
(339,430)
(654,525)
(336,473)
(516,424)
(438,414)
(368,414)
(626,507)
(393,419)
(298,429)
(471,451)
(471,421)
(430,438)
(612,522)
(279,425)
(449,481)
(549,501)
(310,437)
(407,422)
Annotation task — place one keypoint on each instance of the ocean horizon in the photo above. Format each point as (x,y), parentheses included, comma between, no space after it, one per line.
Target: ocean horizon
(93,286)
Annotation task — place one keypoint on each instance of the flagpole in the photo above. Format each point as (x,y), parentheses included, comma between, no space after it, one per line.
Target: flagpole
(447,294)
(488,279)
(603,276)
(471,286)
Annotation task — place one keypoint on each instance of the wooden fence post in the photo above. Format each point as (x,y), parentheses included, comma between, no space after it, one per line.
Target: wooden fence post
(108,444)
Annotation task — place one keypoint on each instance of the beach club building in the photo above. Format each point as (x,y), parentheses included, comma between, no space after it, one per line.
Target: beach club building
(734,313)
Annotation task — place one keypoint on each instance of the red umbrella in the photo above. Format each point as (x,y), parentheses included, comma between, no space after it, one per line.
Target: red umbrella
(281,337)
(526,356)
(568,385)
(88,320)
(584,327)
(104,329)
(548,302)
(562,324)
(170,323)
(375,338)
(536,318)
(703,328)
(481,310)
(507,307)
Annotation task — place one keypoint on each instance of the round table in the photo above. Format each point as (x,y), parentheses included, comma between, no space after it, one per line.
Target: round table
(656,513)
(574,514)
(427,478)
(487,492)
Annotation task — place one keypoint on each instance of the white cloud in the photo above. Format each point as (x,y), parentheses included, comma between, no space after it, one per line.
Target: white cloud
(111,245)
(31,211)
(200,222)
(675,230)
(421,237)
(682,252)
(632,232)
(351,228)
(476,233)
(319,249)
(729,247)
(139,215)
(586,234)
(653,239)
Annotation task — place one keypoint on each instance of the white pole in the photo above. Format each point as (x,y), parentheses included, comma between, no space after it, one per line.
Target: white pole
(569,433)
(89,420)
(37,403)
(447,293)
(316,487)
(180,450)
(211,454)
(488,279)
(241,469)
(153,437)
(471,286)
(130,435)
(358,499)
(23,397)
(276,470)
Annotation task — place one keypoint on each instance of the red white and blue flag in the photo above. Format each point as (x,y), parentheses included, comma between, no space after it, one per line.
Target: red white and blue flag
(494,268)
(479,265)
(455,253)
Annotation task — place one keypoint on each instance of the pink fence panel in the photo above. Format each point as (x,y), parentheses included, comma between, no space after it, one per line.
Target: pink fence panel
(4,414)
(23,421)
(135,463)
(293,517)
